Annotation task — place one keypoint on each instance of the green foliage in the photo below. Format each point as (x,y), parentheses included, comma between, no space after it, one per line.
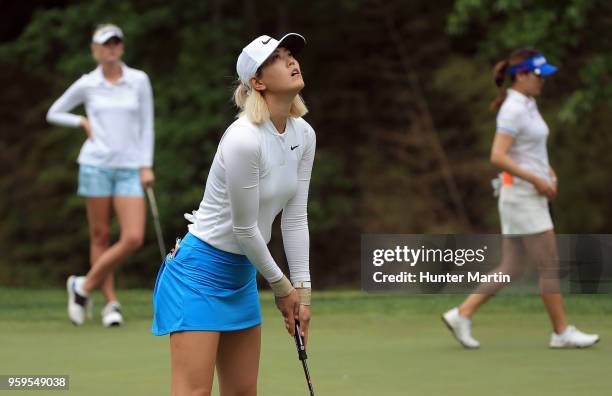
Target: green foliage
(596,90)
(572,33)
(575,34)
(44,227)
(398,93)
(189,50)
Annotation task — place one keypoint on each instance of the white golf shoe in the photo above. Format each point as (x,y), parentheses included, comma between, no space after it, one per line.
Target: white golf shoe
(573,338)
(111,315)
(461,327)
(79,306)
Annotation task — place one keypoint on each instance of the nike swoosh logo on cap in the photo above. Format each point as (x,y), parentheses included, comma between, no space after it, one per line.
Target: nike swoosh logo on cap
(266,41)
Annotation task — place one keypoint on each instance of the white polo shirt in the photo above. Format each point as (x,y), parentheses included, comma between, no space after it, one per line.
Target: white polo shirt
(120,116)
(520,118)
(257,173)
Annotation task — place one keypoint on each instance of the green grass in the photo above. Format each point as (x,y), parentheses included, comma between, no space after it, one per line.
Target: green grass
(360,344)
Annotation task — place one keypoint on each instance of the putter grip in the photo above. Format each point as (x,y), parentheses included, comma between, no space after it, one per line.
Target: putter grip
(299,342)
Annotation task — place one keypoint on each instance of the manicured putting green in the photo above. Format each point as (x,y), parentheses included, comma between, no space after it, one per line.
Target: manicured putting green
(360,344)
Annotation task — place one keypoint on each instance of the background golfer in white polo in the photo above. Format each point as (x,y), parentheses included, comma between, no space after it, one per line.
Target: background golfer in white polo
(528,184)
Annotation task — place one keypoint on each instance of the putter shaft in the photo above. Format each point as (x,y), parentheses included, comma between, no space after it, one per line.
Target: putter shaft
(158,230)
(301,349)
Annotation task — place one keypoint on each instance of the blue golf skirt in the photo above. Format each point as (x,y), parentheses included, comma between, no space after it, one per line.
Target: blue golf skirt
(204,288)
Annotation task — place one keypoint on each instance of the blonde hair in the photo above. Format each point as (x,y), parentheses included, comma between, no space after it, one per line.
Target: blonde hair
(253,105)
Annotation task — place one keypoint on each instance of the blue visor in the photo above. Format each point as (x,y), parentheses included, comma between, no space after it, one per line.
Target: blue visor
(537,64)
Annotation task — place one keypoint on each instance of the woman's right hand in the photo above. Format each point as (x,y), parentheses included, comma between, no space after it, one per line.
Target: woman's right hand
(289,306)
(86,127)
(544,187)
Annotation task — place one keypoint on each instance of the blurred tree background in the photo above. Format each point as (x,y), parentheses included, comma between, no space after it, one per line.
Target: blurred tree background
(398,93)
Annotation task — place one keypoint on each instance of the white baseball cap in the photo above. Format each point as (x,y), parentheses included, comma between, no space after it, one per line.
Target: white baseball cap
(105,33)
(256,53)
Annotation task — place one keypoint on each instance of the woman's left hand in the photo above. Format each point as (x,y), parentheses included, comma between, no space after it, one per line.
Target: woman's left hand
(554,180)
(304,317)
(147,177)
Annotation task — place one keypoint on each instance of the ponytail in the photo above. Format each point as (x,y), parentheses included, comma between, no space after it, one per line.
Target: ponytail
(499,76)
(501,70)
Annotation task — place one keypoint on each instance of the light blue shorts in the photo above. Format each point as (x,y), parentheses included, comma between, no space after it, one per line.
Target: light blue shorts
(96,181)
(205,289)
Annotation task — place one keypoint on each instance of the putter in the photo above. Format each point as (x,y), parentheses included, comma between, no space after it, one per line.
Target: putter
(158,230)
(301,349)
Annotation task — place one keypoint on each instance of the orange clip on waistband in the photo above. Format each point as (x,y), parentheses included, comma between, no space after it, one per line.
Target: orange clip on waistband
(507,179)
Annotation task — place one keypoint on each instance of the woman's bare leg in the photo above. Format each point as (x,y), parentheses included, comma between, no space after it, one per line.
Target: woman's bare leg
(542,248)
(238,362)
(193,356)
(131,213)
(514,262)
(98,216)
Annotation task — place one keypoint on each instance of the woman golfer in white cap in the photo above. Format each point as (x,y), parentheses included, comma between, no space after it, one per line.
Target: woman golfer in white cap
(114,164)
(206,295)
(528,184)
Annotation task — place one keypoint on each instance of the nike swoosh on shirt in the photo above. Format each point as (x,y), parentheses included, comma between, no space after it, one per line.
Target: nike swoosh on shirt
(294,147)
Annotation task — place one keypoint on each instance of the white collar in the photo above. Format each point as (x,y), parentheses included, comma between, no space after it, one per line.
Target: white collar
(522,98)
(269,126)
(99,76)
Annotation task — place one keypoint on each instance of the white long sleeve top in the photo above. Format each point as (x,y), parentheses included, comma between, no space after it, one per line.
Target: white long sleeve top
(256,173)
(120,116)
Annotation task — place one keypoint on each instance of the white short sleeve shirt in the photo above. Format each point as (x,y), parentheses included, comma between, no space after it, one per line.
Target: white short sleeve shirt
(520,118)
